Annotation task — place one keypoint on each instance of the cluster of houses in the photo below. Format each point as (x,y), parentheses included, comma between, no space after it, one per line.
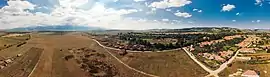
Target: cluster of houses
(221,56)
(212,57)
(202,44)
(232,37)
(246,42)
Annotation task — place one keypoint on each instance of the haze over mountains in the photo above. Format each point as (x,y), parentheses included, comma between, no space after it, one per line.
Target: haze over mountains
(57,28)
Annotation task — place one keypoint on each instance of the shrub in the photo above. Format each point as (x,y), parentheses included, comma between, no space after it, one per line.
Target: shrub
(69,57)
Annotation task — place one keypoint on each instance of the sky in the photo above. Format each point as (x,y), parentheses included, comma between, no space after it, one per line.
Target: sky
(136,14)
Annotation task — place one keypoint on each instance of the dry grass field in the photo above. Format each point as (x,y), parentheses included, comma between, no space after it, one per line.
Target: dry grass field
(164,64)
(51,62)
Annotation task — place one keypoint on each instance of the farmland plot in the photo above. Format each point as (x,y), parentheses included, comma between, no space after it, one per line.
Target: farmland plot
(23,65)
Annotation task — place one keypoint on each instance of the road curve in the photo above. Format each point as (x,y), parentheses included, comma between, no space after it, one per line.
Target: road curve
(198,62)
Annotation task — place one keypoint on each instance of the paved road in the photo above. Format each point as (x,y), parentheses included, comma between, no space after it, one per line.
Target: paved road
(198,62)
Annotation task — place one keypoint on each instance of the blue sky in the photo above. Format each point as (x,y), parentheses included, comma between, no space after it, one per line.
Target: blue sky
(136,14)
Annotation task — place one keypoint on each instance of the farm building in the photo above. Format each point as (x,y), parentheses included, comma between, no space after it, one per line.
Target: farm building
(250,73)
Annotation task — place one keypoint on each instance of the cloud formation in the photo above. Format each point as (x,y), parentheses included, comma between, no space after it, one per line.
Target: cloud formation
(139,0)
(183,14)
(228,7)
(170,3)
(259,2)
(237,14)
(17,14)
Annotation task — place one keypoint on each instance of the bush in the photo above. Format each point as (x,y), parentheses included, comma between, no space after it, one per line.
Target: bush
(21,44)
(69,57)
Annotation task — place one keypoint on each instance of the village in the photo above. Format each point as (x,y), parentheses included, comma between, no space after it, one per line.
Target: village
(230,49)
(206,54)
(252,50)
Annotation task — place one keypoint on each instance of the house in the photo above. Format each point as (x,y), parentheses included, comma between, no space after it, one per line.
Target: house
(231,37)
(247,50)
(218,58)
(243,58)
(250,73)
(226,54)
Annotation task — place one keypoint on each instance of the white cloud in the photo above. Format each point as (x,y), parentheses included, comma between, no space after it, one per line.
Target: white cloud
(200,11)
(115,0)
(15,15)
(228,7)
(237,14)
(142,20)
(259,2)
(170,3)
(18,6)
(258,21)
(184,14)
(139,0)
(195,10)
(165,20)
(233,20)
(168,9)
(72,3)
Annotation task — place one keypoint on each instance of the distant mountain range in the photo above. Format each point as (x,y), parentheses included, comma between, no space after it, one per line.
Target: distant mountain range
(56,28)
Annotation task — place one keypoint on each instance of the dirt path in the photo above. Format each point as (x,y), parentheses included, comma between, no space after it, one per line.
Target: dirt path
(151,75)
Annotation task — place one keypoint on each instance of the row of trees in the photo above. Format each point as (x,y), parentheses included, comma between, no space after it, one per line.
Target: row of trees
(221,46)
(182,39)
